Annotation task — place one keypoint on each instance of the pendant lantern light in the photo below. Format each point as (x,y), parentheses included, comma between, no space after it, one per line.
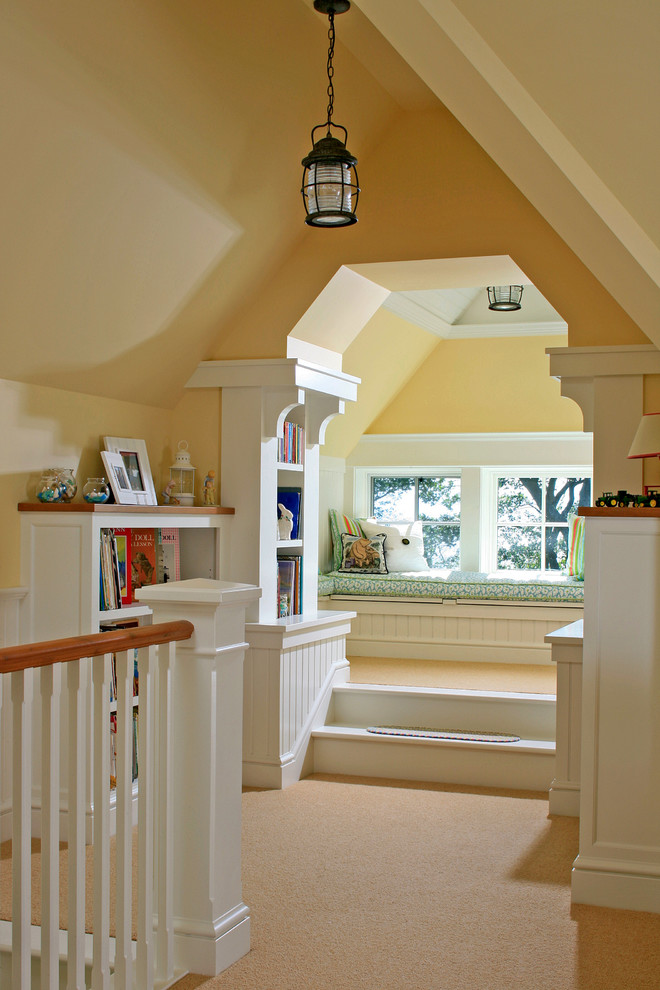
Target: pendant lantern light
(504,298)
(330,187)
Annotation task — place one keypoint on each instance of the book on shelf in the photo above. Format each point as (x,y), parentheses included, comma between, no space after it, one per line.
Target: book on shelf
(291,499)
(289,586)
(133,558)
(123,544)
(168,556)
(144,568)
(291,444)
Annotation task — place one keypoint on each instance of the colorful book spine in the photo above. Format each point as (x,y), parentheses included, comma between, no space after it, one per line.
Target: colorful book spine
(123,547)
(291,444)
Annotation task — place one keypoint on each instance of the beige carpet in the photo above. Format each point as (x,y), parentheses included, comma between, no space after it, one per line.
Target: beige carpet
(401,886)
(527,678)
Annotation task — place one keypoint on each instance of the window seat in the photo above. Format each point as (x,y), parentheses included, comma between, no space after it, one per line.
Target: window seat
(473,586)
(499,617)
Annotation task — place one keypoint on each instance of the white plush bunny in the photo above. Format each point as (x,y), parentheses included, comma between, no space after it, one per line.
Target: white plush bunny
(284,523)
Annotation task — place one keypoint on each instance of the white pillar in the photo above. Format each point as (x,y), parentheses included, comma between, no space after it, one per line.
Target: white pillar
(211,922)
(566,646)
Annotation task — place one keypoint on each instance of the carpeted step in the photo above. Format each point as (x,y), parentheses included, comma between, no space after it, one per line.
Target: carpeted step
(527,764)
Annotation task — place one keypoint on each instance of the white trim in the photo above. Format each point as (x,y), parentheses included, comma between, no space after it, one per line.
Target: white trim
(553,329)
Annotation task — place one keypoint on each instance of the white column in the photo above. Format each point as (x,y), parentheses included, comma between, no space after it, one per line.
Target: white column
(211,922)
(619,859)
(566,646)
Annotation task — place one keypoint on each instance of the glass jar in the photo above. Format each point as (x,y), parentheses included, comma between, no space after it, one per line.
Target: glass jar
(68,483)
(96,490)
(50,488)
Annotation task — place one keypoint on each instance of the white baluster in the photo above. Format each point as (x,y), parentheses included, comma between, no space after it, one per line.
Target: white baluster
(21,695)
(51,700)
(123,955)
(77,680)
(165,815)
(101,751)
(145,849)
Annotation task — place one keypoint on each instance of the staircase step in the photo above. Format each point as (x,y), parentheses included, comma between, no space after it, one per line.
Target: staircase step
(527,765)
(531,716)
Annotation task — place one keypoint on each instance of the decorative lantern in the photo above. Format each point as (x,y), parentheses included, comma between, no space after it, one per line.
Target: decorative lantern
(504,298)
(182,478)
(330,187)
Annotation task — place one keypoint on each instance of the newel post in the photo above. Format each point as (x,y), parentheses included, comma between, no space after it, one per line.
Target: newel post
(211,922)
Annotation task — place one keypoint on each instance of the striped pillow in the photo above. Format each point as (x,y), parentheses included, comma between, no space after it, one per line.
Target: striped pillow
(576,547)
(340,523)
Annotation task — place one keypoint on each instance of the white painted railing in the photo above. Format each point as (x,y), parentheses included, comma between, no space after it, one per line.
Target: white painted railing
(177,927)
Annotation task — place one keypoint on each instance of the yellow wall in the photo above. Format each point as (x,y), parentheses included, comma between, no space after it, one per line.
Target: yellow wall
(485,385)
(46,427)
(387,352)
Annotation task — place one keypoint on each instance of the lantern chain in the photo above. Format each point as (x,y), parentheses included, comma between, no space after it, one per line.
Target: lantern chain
(330,67)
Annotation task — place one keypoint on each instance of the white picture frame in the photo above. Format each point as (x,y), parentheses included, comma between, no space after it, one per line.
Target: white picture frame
(117,475)
(134,456)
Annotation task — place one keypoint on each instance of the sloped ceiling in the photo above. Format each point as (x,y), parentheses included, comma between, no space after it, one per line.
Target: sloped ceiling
(558,95)
(150,177)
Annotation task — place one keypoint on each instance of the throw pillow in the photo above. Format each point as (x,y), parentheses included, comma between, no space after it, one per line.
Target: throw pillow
(362,554)
(340,523)
(404,544)
(576,547)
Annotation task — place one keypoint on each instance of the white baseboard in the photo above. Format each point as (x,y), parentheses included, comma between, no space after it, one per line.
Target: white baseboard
(614,888)
(564,799)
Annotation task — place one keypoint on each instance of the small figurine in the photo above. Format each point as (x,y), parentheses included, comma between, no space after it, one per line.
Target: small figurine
(209,489)
(284,523)
(168,497)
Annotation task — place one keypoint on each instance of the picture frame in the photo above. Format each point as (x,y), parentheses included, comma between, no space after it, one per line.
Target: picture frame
(133,454)
(117,475)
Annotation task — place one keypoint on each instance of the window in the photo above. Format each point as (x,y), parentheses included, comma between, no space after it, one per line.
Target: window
(435,501)
(532,519)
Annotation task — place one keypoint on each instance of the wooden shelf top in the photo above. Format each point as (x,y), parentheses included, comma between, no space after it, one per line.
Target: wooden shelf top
(640,512)
(112,507)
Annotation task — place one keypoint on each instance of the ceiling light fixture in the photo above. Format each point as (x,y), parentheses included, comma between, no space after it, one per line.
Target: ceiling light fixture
(330,187)
(504,298)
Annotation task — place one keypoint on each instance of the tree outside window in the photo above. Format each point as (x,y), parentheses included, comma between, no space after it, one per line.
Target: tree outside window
(532,520)
(435,501)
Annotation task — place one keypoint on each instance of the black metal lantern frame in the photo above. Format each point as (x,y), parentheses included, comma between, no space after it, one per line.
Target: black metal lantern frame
(504,298)
(330,187)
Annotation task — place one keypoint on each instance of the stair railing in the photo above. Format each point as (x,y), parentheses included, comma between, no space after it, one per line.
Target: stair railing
(49,686)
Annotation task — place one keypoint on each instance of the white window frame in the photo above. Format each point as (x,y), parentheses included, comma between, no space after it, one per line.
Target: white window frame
(490,476)
(478,520)
(363,488)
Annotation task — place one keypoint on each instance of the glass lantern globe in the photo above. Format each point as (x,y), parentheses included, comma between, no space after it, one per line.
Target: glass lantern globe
(182,477)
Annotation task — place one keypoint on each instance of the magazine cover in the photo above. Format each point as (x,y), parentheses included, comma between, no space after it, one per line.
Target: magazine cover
(143,558)
(168,556)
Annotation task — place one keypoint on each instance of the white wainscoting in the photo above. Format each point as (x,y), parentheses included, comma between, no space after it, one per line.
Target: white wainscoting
(290,670)
(428,630)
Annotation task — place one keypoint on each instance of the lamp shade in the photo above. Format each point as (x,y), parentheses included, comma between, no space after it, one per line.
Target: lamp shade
(647,439)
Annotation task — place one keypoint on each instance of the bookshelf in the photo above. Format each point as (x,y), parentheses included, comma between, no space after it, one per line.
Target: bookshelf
(263,401)
(61,567)
(293,660)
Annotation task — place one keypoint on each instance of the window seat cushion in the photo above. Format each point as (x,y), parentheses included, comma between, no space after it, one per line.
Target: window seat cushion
(509,586)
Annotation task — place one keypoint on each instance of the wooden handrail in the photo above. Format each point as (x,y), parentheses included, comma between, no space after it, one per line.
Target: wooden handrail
(93,645)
